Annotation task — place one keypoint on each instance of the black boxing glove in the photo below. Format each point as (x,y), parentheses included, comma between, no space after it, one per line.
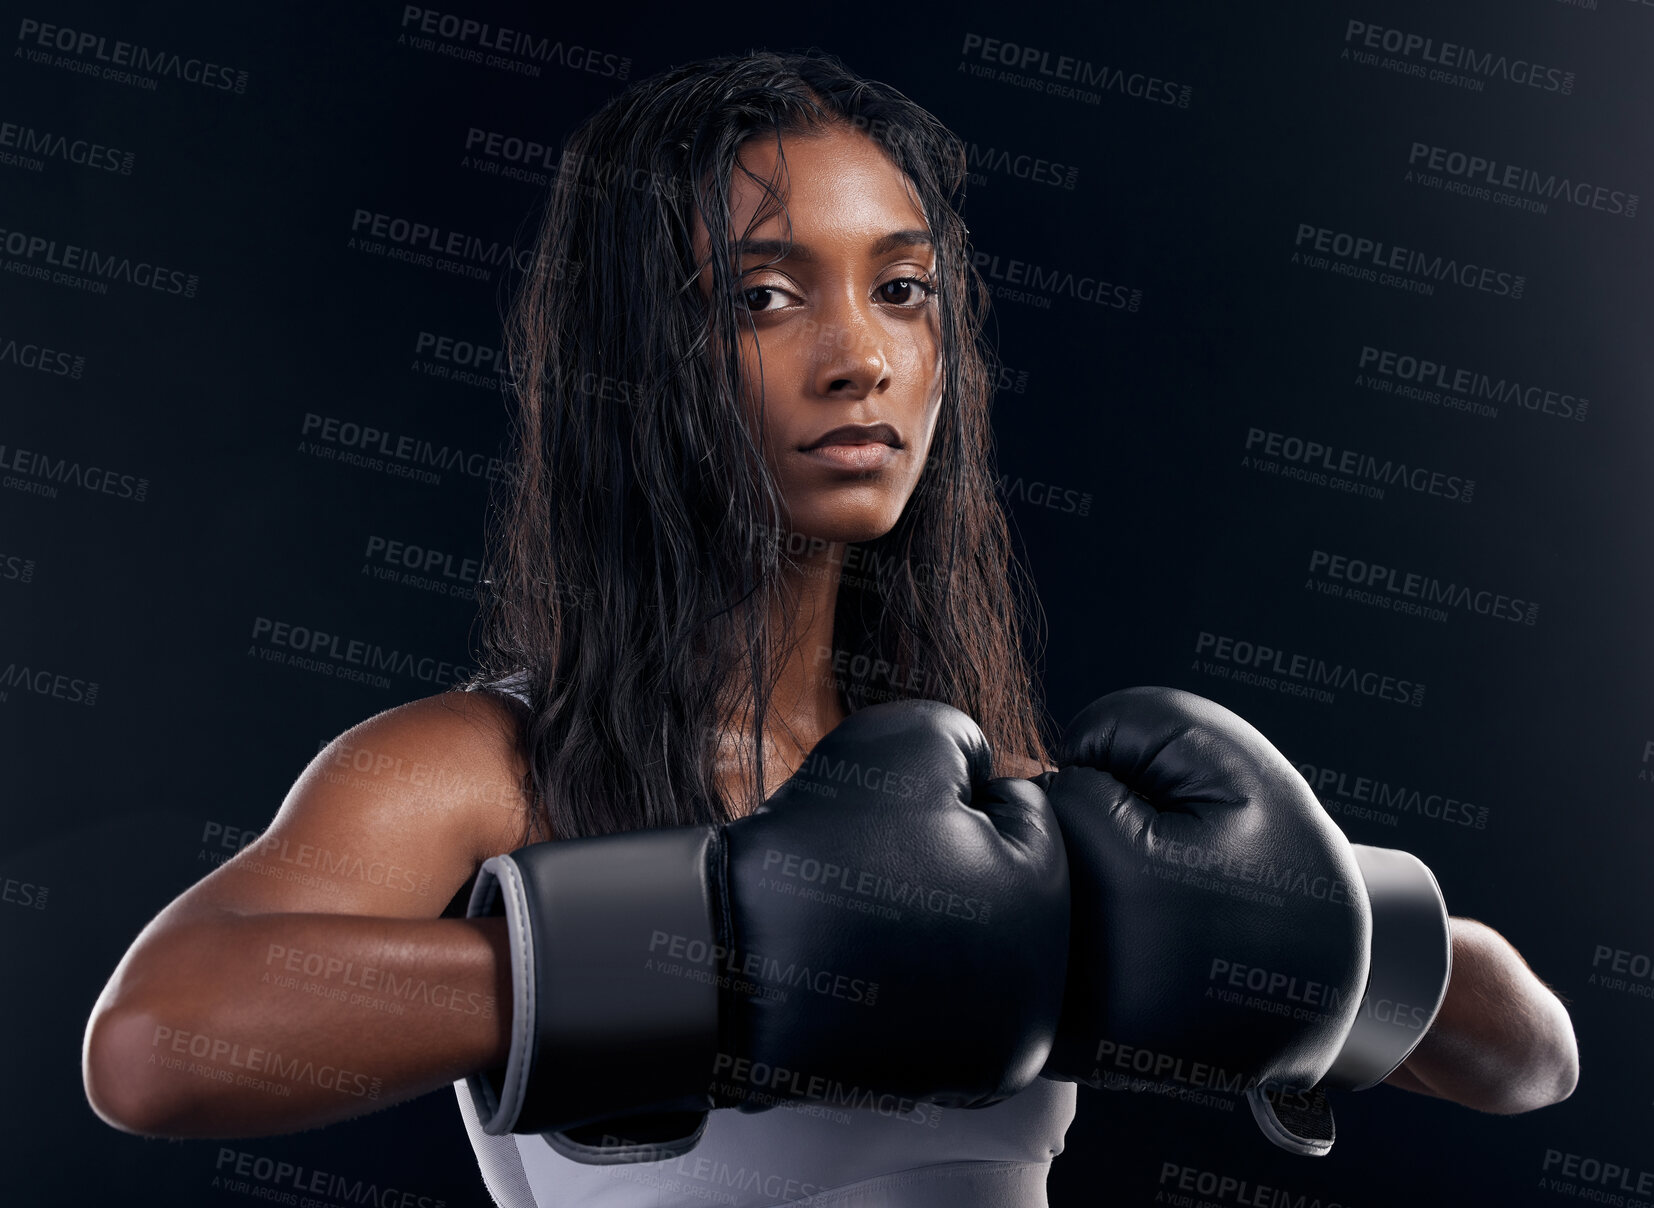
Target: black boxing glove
(1411,963)
(891,919)
(1220,926)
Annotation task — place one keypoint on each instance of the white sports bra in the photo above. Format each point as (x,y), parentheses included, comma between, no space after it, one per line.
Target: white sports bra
(816,1154)
(827,1156)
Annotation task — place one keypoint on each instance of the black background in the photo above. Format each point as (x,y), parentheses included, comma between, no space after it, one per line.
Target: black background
(1121,438)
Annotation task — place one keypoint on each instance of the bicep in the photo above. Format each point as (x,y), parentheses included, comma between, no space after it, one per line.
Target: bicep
(391,818)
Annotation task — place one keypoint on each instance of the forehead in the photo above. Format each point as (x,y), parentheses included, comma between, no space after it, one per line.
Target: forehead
(837,184)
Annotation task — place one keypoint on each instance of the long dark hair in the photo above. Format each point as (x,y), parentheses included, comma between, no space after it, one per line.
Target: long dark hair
(640,536)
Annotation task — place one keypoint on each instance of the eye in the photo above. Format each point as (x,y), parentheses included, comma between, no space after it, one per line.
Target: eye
(757,298)
(919,290)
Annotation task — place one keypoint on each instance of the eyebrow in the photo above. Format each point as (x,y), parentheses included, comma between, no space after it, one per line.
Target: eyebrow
(782,249)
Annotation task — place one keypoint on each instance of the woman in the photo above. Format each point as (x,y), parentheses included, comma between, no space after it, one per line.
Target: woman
(753,494)
(674,578)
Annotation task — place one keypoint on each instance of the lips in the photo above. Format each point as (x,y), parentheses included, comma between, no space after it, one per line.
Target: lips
(857,434)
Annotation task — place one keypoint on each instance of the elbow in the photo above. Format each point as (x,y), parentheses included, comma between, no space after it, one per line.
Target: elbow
(1551,1074)
(1558,1075)
(1562,1071)
(1542,1090)
(1567,1080)
(123,1077)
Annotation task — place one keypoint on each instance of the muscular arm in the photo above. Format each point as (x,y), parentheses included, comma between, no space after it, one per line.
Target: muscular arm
(311,978)
(1502,1041)
(230,1025)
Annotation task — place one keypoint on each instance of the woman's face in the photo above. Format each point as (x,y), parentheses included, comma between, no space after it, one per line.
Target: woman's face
(845,334)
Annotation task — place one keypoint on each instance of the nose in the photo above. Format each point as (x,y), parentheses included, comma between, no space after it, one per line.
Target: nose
(850,350)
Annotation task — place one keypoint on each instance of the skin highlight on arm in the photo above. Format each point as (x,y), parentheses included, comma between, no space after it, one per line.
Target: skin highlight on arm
(1502,1041)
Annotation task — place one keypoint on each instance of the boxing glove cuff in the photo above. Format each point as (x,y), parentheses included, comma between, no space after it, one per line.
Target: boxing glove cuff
(1412,961)
(609,1032)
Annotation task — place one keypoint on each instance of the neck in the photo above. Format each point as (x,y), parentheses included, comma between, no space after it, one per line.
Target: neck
(801,620)
(805,702)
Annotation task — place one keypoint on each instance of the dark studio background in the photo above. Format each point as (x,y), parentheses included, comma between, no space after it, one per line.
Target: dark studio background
(1121,432)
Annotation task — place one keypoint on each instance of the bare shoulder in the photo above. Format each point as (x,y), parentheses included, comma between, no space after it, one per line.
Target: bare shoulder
(392,817)
(452,759)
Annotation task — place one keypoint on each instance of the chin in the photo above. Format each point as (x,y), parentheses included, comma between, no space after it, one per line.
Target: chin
(846,528)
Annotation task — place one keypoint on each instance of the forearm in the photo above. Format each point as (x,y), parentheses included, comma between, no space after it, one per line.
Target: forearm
(247,1025)
(1502,1042)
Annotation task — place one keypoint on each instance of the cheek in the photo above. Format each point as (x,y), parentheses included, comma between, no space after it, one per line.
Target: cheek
(924,356)
(927,367)
(773,361)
